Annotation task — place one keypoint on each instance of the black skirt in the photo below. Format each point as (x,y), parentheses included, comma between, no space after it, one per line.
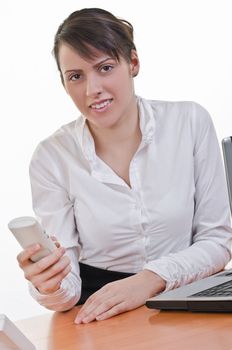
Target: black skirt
(94,278)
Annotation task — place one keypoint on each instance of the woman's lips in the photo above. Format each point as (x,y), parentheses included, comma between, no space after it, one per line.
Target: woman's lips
(101,105)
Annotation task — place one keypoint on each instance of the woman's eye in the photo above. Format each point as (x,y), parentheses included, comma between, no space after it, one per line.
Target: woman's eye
(106,68)
(75,77)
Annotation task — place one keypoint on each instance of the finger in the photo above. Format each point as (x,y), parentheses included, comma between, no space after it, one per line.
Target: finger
(48,260)
(100,309)
(54,239)
(24,257)
(53,284)
(50,272)
(41,265)
(91,303)
(96,297)
(116,310)
(97,303)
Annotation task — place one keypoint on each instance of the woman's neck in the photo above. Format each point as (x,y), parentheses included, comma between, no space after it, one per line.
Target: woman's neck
(123,132)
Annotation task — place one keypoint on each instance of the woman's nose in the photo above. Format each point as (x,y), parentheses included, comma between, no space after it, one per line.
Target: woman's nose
(93,86)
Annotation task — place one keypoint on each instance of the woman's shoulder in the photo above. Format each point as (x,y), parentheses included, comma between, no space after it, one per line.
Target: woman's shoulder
(186,111)
(59,143)
(65,133)
(190,107)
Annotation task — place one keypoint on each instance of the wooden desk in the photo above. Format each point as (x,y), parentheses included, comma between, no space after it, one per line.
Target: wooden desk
(141,329)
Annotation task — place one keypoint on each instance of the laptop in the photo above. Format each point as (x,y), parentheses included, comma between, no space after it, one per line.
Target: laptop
(211,294)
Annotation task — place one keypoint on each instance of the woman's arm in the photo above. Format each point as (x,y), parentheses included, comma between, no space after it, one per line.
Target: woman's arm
(210,250)
(54,208)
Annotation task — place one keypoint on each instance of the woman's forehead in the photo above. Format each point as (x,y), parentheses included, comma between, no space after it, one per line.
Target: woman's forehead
(88,53)
(70,57)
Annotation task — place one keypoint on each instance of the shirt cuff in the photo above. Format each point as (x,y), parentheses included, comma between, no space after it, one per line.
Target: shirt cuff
(162,271)
(61,300)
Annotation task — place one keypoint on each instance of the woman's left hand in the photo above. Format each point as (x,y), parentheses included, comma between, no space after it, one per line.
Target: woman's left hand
(120,296)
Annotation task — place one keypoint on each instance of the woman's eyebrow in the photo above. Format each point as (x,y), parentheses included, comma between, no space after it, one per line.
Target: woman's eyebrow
(95,66)
(101,62)
(73,70)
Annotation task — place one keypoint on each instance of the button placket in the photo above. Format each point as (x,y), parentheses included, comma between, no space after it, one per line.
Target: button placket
(138,207)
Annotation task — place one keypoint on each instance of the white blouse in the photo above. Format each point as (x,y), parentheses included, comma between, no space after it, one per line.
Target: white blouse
(173,220)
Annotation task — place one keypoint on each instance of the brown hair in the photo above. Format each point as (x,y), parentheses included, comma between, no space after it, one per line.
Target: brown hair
(95,28)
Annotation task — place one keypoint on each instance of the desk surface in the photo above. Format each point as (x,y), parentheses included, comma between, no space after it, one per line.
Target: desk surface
(142,329)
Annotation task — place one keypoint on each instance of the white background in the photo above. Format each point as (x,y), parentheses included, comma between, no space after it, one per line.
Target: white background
(186,54)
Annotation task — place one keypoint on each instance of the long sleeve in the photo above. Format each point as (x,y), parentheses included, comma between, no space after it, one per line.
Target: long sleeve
(54,208)
(68,294)
(210,248)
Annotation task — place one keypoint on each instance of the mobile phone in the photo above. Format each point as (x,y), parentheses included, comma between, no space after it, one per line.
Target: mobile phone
(227,155)
(27,230)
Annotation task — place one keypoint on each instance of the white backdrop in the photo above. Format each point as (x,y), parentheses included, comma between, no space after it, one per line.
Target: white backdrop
(186,54)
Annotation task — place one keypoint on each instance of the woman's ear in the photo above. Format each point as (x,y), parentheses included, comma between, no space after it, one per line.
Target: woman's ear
(134,64)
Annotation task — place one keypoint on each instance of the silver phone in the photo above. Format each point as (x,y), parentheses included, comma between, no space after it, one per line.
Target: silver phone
(27,230)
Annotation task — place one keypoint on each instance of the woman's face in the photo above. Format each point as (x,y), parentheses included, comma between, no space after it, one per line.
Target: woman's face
(102,88)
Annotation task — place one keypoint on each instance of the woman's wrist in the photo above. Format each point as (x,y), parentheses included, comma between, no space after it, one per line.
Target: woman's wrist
(153,282)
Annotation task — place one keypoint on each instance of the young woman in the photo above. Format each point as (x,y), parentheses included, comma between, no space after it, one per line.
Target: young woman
(133,190)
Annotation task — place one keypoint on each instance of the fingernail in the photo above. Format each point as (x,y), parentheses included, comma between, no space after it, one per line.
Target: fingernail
(77,320)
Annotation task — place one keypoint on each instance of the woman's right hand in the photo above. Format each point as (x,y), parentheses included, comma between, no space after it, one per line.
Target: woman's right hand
(46,274)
